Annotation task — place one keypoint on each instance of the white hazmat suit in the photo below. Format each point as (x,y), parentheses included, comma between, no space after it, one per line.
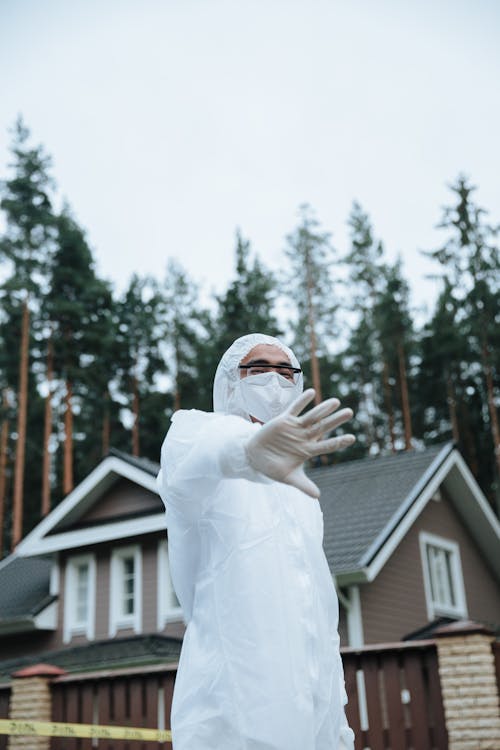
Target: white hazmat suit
(260,667)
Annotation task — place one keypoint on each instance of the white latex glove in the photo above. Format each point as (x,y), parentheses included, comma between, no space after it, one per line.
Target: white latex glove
(278,450)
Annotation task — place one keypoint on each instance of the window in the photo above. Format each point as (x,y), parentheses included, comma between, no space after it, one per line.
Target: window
(125,609)
(79,598)
(443,580)
(168,604)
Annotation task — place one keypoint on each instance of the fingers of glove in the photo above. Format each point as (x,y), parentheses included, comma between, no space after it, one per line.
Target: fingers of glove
(298,479)
(319,412)
(301,402)
(331,445)
(330,423)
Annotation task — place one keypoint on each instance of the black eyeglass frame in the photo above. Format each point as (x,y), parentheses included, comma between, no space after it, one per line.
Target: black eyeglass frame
(289,368)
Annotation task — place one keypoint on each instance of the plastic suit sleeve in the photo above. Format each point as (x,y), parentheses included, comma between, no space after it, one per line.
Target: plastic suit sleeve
(199,450)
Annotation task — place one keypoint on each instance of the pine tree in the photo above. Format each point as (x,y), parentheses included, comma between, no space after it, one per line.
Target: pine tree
(363,353)
(78,308)
(470,262)
(247,306)
(26,246)
(184,335)
(138,356)
(395,336)
(310,288)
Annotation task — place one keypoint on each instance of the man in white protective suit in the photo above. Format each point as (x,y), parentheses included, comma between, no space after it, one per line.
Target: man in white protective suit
(260,667)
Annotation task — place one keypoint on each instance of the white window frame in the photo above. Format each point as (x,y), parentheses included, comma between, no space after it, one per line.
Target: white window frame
(437,609)
(166,612)
(118,620)
(71,626)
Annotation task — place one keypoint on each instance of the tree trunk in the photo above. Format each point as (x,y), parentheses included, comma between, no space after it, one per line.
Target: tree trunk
(452,407)
(495,431)
(4,437)
(47,431)
(22,411)
(177,394)
(468,438)
(68,440)
(106,427)
(316,380)
(388,406)
(405,401)
(135,412)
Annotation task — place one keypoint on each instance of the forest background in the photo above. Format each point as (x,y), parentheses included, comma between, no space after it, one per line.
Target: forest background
(84,369)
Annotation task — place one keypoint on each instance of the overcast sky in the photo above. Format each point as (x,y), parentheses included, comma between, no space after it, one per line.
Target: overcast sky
(172,122)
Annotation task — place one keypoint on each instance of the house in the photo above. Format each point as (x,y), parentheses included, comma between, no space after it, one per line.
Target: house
(409,538)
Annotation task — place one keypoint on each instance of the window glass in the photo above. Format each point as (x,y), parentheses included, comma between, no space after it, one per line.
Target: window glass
(440,576)
(128,571)
(82,592)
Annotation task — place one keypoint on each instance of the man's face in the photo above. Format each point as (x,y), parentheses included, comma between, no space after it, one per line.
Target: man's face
(266,358)
(266,354)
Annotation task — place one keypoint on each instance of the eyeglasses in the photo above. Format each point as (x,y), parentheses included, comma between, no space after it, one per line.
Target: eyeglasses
(287,371)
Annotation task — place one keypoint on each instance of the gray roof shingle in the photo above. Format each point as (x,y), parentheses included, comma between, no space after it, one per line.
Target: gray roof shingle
(24,587)
(141,463)
(360,499)
(116,653)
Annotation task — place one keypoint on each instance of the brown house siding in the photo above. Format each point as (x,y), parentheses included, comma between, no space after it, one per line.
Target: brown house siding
(150,585)
(343,634)
(124,498)
(393,605)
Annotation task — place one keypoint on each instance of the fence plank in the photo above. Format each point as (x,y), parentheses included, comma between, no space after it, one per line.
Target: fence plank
(418,704)
(104,709)
(352,708)
(376,729)
(436,708)
(137,718)
(119,716)
(395,709)
(87,711)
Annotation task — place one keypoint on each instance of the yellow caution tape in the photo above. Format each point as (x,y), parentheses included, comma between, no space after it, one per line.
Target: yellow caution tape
(58,729)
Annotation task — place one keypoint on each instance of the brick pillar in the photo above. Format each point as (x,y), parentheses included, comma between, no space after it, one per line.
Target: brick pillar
(30,700)
(469,686)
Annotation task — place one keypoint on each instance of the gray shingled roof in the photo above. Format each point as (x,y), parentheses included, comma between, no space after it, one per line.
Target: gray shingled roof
(361,499)
(358,498)
(113,654)
(24,587)
(141,463)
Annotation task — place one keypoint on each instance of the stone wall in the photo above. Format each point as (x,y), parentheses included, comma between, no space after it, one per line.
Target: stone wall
(469,686)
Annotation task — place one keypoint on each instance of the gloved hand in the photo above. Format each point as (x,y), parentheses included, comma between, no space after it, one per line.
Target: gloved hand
(278,450)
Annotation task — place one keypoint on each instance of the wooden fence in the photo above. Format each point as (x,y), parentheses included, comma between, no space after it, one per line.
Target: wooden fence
(138,697)
(394,700)
(395,697)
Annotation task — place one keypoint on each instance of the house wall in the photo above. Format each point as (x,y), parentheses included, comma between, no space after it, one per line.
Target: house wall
(38,641)
(394,605)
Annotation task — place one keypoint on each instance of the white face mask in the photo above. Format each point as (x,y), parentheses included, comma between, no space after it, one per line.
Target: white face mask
(267,395)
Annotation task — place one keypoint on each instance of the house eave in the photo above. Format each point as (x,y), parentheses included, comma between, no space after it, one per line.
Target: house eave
(351,577)
(45,621)
(92,535)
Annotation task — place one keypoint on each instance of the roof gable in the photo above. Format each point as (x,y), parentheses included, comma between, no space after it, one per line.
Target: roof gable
(369,505)
(124,499)
(359,499)
(62,528)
